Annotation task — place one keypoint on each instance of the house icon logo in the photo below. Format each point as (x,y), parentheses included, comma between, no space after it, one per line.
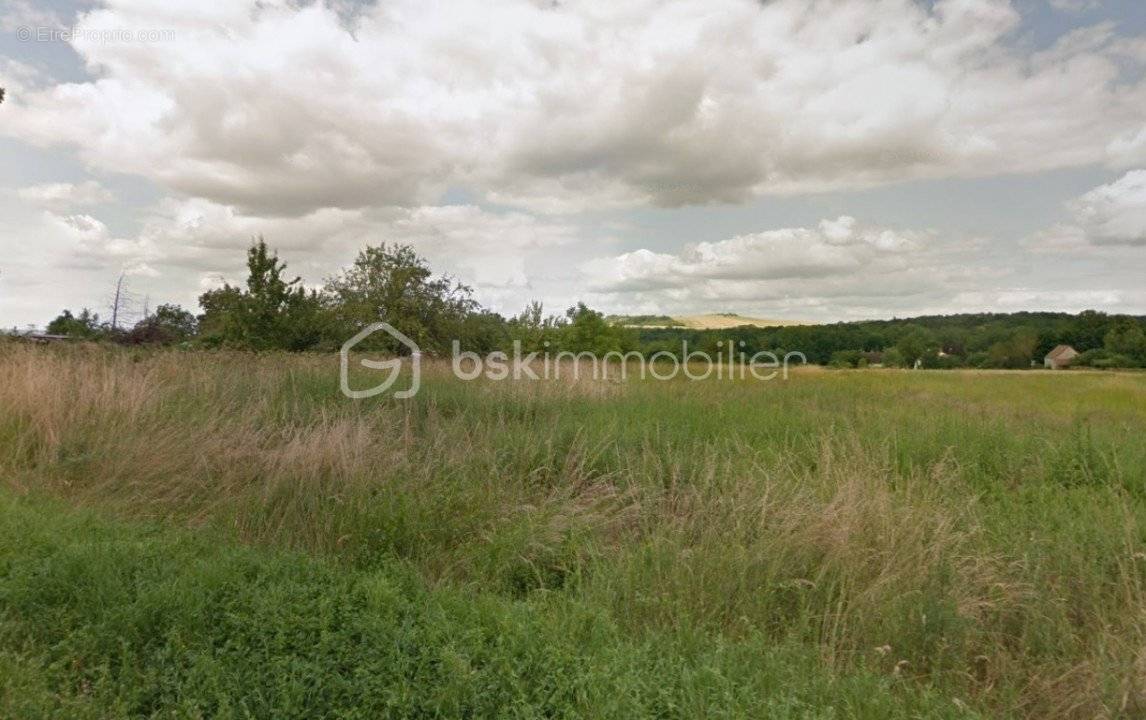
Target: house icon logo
(394,365)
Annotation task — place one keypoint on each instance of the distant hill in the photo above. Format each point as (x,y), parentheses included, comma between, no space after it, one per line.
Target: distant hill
(718,321)
(711,321)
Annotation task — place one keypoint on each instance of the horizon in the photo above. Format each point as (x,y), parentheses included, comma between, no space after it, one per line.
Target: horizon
(869,160)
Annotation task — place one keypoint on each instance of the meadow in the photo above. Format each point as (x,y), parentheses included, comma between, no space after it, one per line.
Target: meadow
(213,534)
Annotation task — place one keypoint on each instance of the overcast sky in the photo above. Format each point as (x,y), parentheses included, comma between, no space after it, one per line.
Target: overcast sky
(790,159)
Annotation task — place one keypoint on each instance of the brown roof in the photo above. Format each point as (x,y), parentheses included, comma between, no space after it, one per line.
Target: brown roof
(1060,350)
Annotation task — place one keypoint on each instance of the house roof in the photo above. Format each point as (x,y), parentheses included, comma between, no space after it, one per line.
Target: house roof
(1060,351)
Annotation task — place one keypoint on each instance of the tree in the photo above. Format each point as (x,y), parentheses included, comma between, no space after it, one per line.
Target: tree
(220,323)
(954,340)
(588,331)
(394,284)
(272,313)
(179,322)
(483,332)
(846,359)
(118,299)
(533,328)
(1086,331)
(918,343)
(1127,338)
(1015,352)
(168,324)
(276,310)
(892,357)
(85,326)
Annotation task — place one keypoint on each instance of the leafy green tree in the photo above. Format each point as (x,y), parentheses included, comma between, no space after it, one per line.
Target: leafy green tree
(1127,338)
(954,340)
(917,343)
(1016,352)
(271,313)
(588,331)
(892,357)
(534,329)
(279,313)
(180,323)
(396,285)
(168,324)
(1087,330)
(221,321)
(846,359)
(85,326)
(483,332)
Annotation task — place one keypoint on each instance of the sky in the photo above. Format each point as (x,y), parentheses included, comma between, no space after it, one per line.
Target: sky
(792,159)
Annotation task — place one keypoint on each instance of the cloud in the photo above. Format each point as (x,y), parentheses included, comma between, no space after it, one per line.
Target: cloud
(280,108)
(1033,299)
(1109,215)
(491,251)
(65,195)
(18,14)
(1115,214)
(837,268)
(833,248)
(1128,149)
(92,246)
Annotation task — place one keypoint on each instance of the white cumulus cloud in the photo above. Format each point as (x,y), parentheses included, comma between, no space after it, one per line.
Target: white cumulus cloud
(1113,214)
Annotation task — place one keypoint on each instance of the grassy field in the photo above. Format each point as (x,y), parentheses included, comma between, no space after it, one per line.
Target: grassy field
(225,535)
(711,321)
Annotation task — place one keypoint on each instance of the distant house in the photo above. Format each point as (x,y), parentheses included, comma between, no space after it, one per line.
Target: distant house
(1060,357)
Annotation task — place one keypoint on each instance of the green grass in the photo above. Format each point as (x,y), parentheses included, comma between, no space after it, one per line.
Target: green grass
(829,543)
(111,620)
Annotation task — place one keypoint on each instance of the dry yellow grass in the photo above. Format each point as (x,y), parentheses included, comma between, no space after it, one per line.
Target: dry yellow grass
(714,321)
(720,321)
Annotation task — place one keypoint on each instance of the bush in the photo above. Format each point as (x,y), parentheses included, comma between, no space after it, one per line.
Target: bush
(946,362)
(845,359)
(169,324)
(892,357)
(1104,359)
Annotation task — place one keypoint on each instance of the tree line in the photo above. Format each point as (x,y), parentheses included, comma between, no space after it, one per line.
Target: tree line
(975,340)
(274,311)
